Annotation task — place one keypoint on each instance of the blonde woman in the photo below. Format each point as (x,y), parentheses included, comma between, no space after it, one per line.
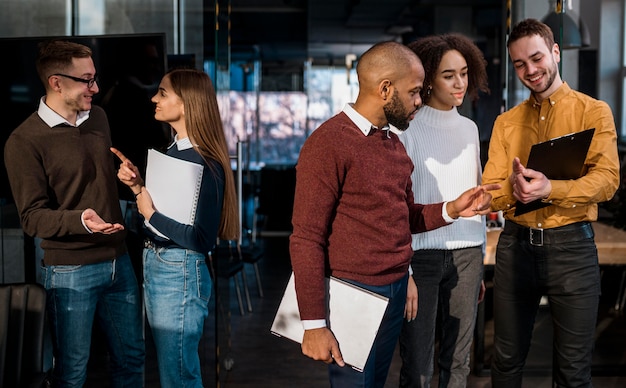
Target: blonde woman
(177,284)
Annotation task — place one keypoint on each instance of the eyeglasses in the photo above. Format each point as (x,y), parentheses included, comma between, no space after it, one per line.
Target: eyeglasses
(89,82)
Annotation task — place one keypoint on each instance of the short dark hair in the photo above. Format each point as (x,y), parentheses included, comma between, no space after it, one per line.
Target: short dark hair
(55,56)
(431,50)
(530,27)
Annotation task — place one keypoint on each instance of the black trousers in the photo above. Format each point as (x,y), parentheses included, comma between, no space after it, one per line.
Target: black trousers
(562,264)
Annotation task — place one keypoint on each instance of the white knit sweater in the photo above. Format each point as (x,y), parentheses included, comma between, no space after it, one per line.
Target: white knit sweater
(445,150)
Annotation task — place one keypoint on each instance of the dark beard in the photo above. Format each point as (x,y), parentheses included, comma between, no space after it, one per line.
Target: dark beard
(395,113)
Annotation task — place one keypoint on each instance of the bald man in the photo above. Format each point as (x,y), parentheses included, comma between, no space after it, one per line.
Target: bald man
(354,212)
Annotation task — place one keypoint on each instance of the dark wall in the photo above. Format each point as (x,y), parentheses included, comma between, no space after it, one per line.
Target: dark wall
(129,68)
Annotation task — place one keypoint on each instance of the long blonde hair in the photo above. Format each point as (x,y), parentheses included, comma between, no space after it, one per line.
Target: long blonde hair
(206,133)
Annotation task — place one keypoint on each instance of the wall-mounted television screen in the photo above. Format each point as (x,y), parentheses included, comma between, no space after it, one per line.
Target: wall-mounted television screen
(129,69)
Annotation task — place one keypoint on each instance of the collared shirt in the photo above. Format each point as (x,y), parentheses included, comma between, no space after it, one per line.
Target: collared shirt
(53,119)
(565,111)
(181,144)
(361,122)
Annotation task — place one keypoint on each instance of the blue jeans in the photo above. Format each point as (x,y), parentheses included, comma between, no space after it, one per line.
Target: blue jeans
(448,283)
(107,292)
(567,272)
(377,366)
(177,287)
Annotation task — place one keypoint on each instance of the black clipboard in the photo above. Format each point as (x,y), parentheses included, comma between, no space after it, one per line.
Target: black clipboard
(561,158)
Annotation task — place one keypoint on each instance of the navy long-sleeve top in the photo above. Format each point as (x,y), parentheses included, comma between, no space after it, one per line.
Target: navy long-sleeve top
(200,236)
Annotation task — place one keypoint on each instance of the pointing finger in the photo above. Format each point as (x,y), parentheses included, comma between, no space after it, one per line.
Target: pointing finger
(119,154)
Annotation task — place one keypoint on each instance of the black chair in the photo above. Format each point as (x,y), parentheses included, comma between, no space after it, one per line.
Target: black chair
(225,263)
(23,335)
(251,254)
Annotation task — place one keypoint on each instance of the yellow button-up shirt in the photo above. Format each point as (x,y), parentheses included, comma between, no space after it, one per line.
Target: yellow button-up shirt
(565,111)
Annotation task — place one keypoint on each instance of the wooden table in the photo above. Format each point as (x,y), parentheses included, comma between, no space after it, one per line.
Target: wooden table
(611,244)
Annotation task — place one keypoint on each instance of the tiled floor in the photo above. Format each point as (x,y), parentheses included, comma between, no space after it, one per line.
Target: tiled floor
(252,357)
(263,360)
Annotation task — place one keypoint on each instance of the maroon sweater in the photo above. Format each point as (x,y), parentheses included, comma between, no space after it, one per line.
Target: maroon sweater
(353,212)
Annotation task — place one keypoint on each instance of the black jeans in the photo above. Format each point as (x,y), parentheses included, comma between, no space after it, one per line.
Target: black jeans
(562,265)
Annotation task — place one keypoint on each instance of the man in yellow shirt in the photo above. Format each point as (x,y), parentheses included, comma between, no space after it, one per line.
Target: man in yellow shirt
(550,251)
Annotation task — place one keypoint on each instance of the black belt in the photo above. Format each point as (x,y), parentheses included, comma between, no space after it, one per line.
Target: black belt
(558,235)
(153,244)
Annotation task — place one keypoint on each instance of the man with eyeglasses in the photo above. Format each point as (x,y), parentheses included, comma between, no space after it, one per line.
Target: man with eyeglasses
(63,181)
(90,81)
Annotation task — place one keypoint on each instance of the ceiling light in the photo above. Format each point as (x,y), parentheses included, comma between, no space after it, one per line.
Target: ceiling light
(567,33)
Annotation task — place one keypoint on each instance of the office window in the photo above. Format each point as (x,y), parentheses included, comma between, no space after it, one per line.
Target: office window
(276,124)
(273,124)
(180,20)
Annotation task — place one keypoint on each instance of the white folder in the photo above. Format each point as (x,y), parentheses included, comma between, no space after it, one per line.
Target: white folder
(354,315)
(174,185)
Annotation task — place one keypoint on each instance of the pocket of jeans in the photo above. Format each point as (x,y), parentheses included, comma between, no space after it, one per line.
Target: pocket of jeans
(175,257)
(65,268)
(205,283)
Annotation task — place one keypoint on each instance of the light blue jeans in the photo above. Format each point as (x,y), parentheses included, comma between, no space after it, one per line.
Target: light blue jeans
(177,287)
(107,292)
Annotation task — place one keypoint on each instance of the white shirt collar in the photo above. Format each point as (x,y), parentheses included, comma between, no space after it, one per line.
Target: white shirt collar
(181,144)
(53,119)
(361,122)
(395,130)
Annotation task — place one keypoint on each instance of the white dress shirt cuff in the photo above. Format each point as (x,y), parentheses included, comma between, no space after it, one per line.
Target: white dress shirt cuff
(444,213)
(313,324)
(82,220)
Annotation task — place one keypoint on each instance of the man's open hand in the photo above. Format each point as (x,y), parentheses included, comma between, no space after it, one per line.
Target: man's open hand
(474,201)
(97,225)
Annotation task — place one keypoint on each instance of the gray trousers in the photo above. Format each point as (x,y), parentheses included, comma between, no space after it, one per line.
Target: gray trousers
(448,283)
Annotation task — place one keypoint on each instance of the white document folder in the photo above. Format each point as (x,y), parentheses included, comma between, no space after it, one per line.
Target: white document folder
(174,185)
(355,315)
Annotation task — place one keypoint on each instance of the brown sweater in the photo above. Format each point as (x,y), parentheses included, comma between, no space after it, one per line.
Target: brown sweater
(353,212)
(57,173)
